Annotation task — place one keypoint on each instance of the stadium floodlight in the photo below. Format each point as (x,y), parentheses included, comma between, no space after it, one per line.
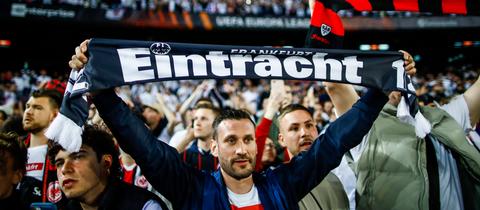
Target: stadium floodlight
(383,46)
(364,47)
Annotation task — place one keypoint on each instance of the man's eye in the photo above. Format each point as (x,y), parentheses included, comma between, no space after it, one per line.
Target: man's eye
(77,156)
(59,164)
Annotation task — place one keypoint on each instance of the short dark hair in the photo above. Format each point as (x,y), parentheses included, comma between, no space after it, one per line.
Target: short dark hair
(230,114)
(55,98)
(11,144)
(215,110)
(291,108)
(101,142)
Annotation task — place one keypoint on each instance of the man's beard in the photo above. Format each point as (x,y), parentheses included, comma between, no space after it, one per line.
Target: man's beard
(227,166)
(33,129)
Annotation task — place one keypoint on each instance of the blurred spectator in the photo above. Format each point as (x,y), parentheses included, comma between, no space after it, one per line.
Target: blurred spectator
(42,107)
(13,157)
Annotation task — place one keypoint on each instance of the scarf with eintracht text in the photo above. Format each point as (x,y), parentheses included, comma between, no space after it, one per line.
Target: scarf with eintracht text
(115,63)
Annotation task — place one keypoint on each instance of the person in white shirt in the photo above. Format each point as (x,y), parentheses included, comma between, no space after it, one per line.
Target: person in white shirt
(41,108)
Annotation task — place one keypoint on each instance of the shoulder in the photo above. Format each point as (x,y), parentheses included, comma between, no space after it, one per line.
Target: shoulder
(153,205)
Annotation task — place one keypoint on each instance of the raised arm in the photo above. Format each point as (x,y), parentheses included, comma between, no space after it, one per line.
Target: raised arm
(197,93)
(166,111)
(263,129)
(172,120)
(343,96)
(160,163)
(472,97)
(186,139)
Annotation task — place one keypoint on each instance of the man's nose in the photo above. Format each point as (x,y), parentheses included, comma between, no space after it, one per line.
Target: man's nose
(303,131)
(66,167)
(241,148)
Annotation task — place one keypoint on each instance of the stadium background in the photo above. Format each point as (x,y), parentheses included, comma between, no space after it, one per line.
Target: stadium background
(45,35)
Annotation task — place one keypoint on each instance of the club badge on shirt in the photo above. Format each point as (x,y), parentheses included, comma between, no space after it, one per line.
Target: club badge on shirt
(54,192)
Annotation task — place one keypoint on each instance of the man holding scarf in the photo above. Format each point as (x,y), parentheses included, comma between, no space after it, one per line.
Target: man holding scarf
(233,143)
(439,171)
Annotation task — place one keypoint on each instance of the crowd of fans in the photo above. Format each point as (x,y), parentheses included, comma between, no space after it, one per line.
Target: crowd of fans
(16,87)
(181,114)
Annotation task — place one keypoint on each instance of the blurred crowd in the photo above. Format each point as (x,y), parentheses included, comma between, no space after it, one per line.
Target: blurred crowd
(291,8)
(183,117)
(180,96)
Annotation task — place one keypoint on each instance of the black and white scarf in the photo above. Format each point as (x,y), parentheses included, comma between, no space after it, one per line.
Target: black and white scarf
(114,63)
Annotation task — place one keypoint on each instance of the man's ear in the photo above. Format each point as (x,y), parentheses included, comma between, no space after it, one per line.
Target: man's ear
(54,114)
(107,161)
(17,177)
(281,140)
(214,147)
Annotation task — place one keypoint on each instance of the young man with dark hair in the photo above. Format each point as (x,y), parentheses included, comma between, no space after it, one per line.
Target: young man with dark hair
(199,155)
(13,157)
(297,134)
(90,177)
(235,185)
(41,108)
(234,145)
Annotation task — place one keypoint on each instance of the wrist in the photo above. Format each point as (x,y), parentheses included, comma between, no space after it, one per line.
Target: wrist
(270,113)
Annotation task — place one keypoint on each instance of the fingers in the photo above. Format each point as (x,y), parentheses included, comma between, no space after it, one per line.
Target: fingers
(407,57)
(409,63)
(79,60)
(75,63)
(410,66)
(80,55)
(412,71)
(83,45)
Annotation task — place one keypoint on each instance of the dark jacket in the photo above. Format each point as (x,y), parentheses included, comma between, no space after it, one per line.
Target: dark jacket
(119,195)
(14,201)
(200,160)
(280,188)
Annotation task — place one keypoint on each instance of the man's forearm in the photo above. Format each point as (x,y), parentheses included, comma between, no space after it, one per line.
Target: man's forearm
(472,97)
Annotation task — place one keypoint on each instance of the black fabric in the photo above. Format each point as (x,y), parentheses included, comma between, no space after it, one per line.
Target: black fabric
(433,6)
(382,5)
(433,180)
(14,201)
(29,189)
(473,7)
(161,125)
(121,196)
(115,63)
(470,185)
(330,41)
